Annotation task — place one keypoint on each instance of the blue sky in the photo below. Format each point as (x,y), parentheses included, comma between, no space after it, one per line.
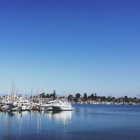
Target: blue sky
(71,46)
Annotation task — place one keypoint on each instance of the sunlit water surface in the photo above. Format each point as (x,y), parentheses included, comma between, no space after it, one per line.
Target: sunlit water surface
(97,122)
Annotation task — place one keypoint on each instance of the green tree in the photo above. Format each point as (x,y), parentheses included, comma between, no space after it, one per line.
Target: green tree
(85,97)
(92,96)
(108,98)
(125,99)
(48,96)
(42,95)
(103,98)
(77,96)
(70,97)
(95,96)
(54,95)
(51,96)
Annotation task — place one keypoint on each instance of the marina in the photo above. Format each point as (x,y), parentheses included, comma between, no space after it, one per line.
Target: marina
(21,104)
(69,70)
(84,122)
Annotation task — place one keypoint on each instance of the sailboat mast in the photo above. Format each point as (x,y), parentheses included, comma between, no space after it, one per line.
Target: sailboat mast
(12,92)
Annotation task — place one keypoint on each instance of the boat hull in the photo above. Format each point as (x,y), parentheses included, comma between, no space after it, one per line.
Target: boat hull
(62,108)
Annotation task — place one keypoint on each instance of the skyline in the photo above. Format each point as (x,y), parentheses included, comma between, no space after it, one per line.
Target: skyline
(74,46)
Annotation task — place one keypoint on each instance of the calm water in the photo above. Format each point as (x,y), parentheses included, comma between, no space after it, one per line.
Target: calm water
(98,122)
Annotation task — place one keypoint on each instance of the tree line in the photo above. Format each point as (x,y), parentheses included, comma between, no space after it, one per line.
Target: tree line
(92,97)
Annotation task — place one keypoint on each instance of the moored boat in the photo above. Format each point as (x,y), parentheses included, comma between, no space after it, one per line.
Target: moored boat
(62,106)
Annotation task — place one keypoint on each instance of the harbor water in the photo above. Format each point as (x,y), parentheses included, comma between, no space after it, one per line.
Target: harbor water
(86,121)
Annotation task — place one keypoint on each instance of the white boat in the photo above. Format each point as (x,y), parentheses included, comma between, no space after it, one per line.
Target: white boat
(23,107)
(24,104)
(3,107)
(28,107)
(60,105)
(12,107)
(44,107)
(5,101)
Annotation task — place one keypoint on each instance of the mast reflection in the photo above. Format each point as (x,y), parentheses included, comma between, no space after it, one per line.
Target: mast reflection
(25,122)
(10,123)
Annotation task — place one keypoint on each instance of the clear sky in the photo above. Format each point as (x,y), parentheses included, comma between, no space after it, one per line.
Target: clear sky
(71,46)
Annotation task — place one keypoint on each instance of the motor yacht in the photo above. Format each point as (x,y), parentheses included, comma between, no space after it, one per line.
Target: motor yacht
(60,105)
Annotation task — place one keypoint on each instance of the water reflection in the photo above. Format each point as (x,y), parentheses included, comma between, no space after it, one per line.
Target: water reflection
(39,120)
(25,122)
(15,119)
(10,123)
(85,122)
(59,116)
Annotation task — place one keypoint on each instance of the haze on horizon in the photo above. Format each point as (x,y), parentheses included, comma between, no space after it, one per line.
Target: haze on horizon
(74,46)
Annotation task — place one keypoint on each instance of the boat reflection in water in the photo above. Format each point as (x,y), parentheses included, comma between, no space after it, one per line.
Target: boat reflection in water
(18,124)
(60,116)
(17,120)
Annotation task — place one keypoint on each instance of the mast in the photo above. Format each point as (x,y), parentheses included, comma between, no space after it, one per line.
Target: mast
(12,92)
